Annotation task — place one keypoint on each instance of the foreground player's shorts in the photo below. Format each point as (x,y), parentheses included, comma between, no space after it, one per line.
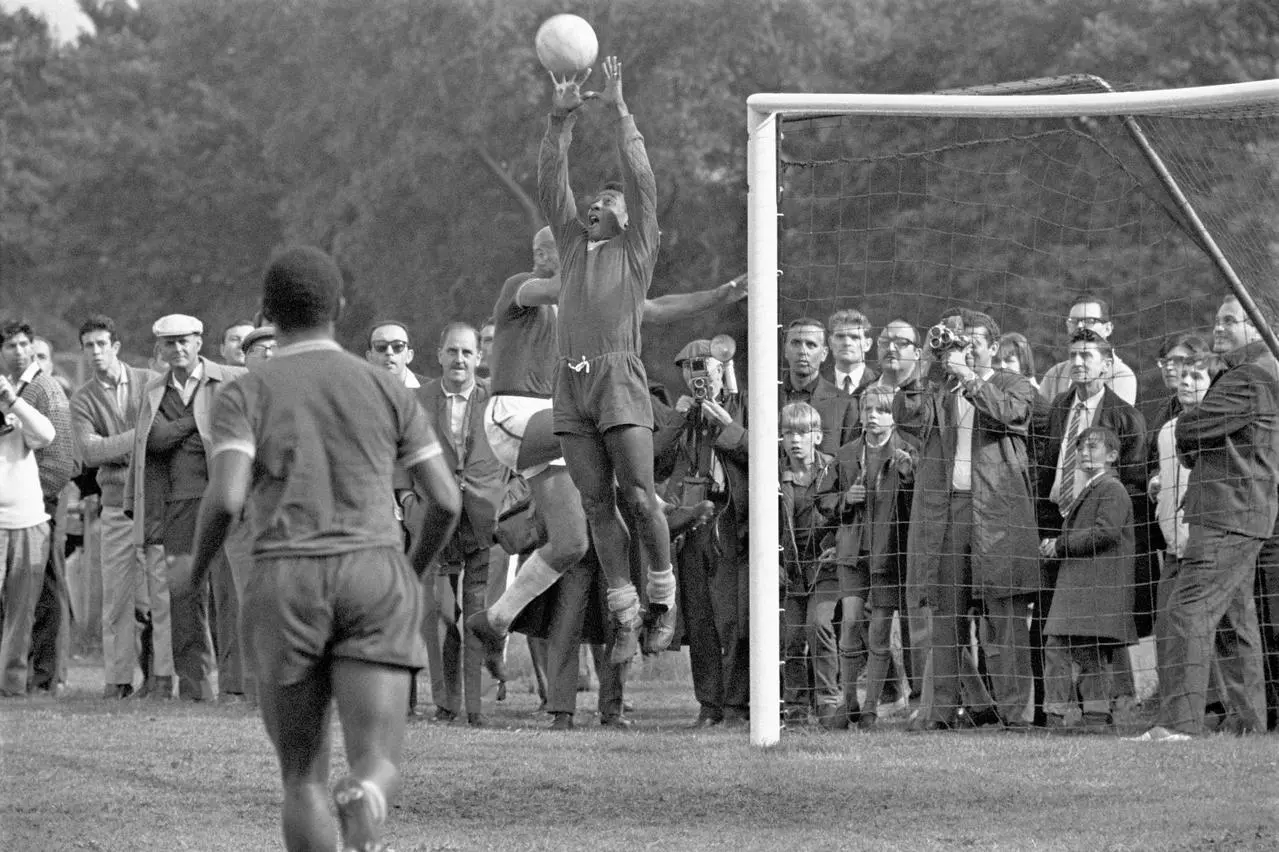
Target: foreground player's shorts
(601,393)
(301,612)
(505,422)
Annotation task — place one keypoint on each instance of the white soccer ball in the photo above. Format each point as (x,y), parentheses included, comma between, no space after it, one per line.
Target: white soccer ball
(566,44)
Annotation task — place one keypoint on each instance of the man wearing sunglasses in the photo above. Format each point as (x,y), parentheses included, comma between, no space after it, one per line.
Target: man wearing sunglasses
(389,348)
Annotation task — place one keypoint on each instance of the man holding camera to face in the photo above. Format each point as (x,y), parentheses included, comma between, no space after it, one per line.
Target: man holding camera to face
(973,479)
(704,456)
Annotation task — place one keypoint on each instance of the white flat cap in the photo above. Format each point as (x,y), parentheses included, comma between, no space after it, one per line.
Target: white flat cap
(177,325)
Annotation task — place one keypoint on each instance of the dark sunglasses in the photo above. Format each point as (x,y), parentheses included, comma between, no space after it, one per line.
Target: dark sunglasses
(396,346)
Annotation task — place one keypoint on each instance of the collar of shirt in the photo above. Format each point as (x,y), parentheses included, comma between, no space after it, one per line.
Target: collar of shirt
(1091,404)
(29,373)
(790,388)
(410,380)
(464,395)
(304,346)
(854,374)
(197,373)
(121,377)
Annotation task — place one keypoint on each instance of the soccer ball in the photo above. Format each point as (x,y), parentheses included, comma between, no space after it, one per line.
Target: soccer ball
(566,44)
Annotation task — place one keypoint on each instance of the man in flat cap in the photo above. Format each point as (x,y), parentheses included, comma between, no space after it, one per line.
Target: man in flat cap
(166,481)
(258,346)
(702,453)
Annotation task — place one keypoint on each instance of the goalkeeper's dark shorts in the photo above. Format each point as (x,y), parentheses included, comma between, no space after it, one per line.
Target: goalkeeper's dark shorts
(300,613)
(597,394)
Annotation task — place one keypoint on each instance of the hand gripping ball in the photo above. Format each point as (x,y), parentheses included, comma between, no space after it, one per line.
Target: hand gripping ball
(566,44)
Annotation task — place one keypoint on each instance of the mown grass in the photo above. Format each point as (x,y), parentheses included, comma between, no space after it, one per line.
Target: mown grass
(83,774)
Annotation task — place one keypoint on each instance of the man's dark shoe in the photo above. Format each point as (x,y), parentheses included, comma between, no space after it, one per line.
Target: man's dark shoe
(867,721)
(987,717)
(494,642)
(706,720)
(833,717)
(161,688)
(616,720)
(930,726)
(117,691)
(443,716)
(477,720)
(562,722)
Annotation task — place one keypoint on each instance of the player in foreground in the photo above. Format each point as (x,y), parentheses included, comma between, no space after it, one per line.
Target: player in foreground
(602,412)
(332,608)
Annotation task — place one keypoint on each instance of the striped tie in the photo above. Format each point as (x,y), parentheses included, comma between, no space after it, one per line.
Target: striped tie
(1070,459)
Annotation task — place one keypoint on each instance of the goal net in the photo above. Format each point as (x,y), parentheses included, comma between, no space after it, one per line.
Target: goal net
(1013,200)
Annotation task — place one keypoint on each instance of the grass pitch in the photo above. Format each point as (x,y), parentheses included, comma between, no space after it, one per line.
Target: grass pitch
(85,774)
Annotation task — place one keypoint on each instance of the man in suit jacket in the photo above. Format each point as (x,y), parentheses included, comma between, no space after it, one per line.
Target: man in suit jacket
(850,341)
(1230,441)
(166,480)
(1090,401)
(455,402)
(104,411)
(805,352)
(973,533)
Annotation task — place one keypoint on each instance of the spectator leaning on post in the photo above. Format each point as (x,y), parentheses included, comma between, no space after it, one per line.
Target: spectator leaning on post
(1230,441)
(703,454)
(104,411)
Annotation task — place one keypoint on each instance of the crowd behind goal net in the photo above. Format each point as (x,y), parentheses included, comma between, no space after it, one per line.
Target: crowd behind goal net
(904,209)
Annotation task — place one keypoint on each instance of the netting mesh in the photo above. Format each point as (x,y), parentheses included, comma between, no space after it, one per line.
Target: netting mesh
(904,218)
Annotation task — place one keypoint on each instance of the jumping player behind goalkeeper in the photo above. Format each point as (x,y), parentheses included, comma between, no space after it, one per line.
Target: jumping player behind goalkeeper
(602,412)
(332,610)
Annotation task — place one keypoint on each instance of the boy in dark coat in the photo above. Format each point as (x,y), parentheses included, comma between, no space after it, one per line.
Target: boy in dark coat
(1091,615)
(876,472)
(810,582)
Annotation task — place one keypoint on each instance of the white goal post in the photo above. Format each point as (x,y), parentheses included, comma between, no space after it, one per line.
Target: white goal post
(764,113)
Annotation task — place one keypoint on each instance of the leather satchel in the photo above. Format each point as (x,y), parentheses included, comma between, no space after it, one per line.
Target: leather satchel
(520,529)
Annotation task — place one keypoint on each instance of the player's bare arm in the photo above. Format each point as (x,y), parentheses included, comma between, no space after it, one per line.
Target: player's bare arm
(679,306)
(443,507)
(539,291)
(224,496)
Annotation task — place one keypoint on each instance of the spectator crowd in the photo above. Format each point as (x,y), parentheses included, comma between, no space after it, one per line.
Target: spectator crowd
(962,545)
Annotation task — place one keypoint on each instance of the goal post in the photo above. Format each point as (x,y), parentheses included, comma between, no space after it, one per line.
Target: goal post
(766,116)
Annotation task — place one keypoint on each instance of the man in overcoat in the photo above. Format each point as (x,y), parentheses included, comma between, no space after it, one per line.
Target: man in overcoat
(973,535)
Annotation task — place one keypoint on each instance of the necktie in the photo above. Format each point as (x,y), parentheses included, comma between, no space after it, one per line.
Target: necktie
(848,385)
(1070,459)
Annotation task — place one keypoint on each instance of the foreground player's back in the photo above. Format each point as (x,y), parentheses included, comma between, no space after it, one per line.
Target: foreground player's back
(327,430)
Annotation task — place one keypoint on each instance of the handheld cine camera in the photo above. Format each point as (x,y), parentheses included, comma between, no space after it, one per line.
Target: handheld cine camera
(942,338)
(699,380)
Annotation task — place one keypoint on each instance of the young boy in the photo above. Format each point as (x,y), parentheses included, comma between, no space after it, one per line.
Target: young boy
(875,475)
(810,584)
(1091,614)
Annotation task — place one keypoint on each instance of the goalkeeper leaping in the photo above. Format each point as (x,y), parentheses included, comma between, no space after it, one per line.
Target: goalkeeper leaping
(601,408)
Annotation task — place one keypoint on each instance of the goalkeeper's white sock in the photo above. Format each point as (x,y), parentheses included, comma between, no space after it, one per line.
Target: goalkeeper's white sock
(376,799)
(661,587)
(534,577)
(623,603)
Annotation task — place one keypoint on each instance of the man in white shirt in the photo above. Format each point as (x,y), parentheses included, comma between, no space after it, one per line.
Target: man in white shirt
(24,532)
(1093,313)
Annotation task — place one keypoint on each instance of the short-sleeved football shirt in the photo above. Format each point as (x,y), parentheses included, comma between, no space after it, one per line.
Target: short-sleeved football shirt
(524,348)
(325,430)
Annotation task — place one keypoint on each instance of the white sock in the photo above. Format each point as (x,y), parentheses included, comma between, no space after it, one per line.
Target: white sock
(377,800)
(623,603)
(661,587)
(534,577)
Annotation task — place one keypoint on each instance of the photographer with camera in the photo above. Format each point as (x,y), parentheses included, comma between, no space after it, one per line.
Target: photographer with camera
(704,456)
(975,536)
